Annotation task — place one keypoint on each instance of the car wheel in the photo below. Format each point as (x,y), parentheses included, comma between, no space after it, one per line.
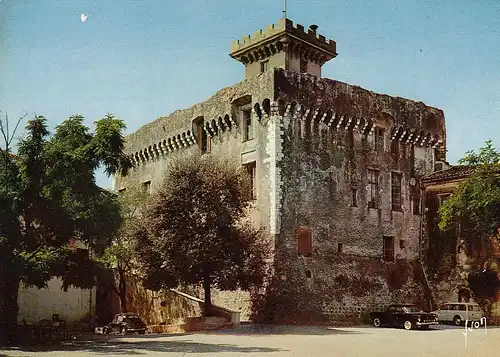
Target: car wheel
(123,330)
(376,322)
(408,325)
(457,321)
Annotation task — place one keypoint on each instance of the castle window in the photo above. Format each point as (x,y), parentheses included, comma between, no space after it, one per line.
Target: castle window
(395,148)
(396,191)
(340,247)
(388,249)
(304,241)
(263,66)
(146,187)
(201,135)
(251,170)
(372,188)
(208,148)
(247,125)
(379,139)
(354,195)
(122,190)
(401,244)
(303,66)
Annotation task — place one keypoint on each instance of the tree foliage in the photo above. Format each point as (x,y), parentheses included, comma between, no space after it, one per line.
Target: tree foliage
(120,255)
(475,207)
(195,229)
(476,202)
(487,155)
(48,195)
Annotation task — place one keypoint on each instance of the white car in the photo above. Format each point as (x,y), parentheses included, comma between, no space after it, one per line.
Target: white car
(459,312)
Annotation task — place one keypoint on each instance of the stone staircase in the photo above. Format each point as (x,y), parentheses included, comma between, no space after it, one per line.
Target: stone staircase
(220,317)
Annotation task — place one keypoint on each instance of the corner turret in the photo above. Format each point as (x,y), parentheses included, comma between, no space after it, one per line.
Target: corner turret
(284,46)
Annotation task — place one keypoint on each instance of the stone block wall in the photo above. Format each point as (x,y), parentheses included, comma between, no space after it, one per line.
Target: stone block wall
(164,307)
(342,289)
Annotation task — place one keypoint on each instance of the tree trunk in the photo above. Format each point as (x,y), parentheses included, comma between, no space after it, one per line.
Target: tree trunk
(122,290)
(8,311)
(208,297)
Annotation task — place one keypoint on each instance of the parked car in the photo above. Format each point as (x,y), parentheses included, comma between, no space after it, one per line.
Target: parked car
(459,312)
(404,315)
(124,323)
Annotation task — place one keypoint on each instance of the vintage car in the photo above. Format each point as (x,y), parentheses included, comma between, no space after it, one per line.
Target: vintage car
(459,313)
(124,323)
(405,315)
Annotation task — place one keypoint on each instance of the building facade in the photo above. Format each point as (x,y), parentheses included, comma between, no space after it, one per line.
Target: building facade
(335,168)
(450,256)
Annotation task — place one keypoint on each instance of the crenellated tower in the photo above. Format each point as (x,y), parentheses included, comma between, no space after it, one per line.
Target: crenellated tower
(286,46)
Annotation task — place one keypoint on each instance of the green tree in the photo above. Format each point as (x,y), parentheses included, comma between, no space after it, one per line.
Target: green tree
(195,230)
(120,256)
(48,196)
(475,208)
(487,155)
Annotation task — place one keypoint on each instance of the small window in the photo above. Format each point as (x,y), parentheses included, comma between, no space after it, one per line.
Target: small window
(396,191)
(146,187)
(340,247)
(395,148)
(372,188)
(304,241)
(201,135)
(251,171)
(389,249)
(354,195)
(247,125)
(263,66)
(122,190)
(401,244)
(379,139)
(308,274)
(209,144)
(303,66)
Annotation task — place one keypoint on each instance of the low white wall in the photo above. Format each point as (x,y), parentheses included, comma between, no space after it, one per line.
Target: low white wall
(37,304)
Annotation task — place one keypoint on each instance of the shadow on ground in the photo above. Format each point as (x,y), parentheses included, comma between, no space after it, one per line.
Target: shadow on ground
(283,330)
(143,346)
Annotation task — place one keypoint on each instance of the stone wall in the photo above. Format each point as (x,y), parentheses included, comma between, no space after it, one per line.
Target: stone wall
(340,289)
(164,307)
(328,145)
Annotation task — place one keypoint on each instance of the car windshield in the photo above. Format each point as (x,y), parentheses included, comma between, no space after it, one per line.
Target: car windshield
(411,309)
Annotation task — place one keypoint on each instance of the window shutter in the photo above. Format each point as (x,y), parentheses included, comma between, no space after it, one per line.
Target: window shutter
(304,242)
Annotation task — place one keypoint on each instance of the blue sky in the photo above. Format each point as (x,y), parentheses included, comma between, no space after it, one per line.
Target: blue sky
(143,59)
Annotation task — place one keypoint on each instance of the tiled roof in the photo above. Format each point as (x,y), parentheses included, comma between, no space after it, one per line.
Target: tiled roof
(454,172)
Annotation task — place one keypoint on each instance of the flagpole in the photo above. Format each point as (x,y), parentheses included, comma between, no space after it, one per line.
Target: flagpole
(284,10)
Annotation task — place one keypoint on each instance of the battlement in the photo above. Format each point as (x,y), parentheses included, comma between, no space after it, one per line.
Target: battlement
(283,28)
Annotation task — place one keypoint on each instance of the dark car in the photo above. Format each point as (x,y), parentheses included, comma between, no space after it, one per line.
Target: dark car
(407,316)
(124,323)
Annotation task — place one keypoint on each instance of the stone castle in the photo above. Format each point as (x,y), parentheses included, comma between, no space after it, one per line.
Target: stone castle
(335,172)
